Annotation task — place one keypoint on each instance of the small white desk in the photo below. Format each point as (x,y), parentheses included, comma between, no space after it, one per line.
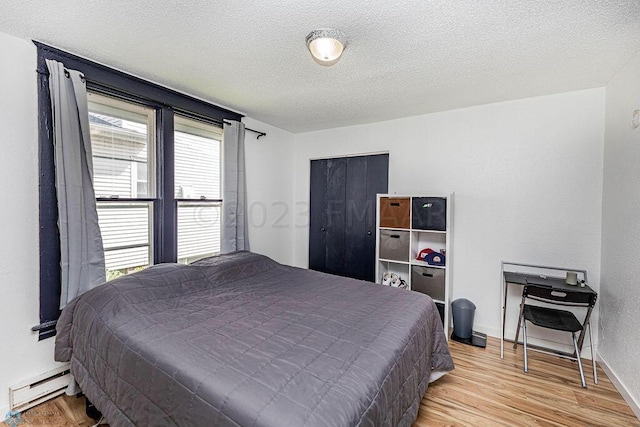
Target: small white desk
(518,278)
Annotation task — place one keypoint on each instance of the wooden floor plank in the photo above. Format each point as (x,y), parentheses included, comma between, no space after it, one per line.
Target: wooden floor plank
(483,390)
(487,390)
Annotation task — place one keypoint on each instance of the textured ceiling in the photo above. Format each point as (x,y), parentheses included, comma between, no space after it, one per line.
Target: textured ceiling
(404,57)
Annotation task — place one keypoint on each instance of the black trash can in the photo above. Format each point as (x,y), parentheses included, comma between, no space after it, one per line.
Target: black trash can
(463,311)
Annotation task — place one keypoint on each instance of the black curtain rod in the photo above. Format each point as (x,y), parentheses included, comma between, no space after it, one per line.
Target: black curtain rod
(260,134)
(250,130)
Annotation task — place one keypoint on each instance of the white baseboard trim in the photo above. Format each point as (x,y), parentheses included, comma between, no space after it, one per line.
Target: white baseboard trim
(617,382)
(536,340)
(492,332)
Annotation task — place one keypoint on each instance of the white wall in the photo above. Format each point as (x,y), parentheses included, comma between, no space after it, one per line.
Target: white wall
(620,288)
(22,355)
(270,190)
(527,177)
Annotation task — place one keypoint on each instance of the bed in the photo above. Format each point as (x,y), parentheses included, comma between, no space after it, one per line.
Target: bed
(241,340)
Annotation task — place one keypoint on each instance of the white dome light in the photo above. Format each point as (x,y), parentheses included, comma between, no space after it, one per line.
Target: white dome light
(326,45)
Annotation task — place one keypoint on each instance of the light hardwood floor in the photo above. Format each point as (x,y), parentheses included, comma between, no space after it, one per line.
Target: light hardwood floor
(484,390)
(487,390)
(61,411)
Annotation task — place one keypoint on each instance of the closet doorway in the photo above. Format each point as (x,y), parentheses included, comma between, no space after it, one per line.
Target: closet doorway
(342,215)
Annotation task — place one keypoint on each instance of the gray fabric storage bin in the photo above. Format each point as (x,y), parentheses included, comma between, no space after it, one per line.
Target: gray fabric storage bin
(394,245)
(429,281)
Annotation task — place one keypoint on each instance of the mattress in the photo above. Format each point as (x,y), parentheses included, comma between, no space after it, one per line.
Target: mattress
(240,340)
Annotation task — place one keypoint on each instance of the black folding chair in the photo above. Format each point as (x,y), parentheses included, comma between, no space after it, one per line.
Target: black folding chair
(559,320)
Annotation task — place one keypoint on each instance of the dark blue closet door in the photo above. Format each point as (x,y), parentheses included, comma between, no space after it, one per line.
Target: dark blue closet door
(317,217)
(335,214)
(356,254)
(343,214)
(377,183)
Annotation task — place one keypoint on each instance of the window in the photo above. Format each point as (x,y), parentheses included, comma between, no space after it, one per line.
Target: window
(123,146)
(197,188)
(156,157)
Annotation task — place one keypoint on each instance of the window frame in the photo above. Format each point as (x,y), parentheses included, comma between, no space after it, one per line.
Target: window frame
(197,200)
(107,81)
(152,177)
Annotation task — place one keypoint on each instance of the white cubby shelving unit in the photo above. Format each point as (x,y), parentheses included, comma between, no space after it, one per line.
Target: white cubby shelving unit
(402,232)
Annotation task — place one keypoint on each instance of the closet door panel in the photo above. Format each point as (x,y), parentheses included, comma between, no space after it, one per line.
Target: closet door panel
(335,212)
(377,179)
(356,254)
(317,216)
(342,215)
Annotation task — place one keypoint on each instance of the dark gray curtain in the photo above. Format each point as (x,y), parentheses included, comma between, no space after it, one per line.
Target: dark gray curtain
(234,190)
(81,250)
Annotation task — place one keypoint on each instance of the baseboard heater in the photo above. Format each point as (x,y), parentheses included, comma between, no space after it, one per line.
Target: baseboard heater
(39,389)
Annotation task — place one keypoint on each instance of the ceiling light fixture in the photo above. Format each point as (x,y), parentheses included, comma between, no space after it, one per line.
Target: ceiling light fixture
(326,45)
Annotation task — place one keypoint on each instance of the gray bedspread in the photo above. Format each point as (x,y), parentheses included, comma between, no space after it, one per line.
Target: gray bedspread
(242,340)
